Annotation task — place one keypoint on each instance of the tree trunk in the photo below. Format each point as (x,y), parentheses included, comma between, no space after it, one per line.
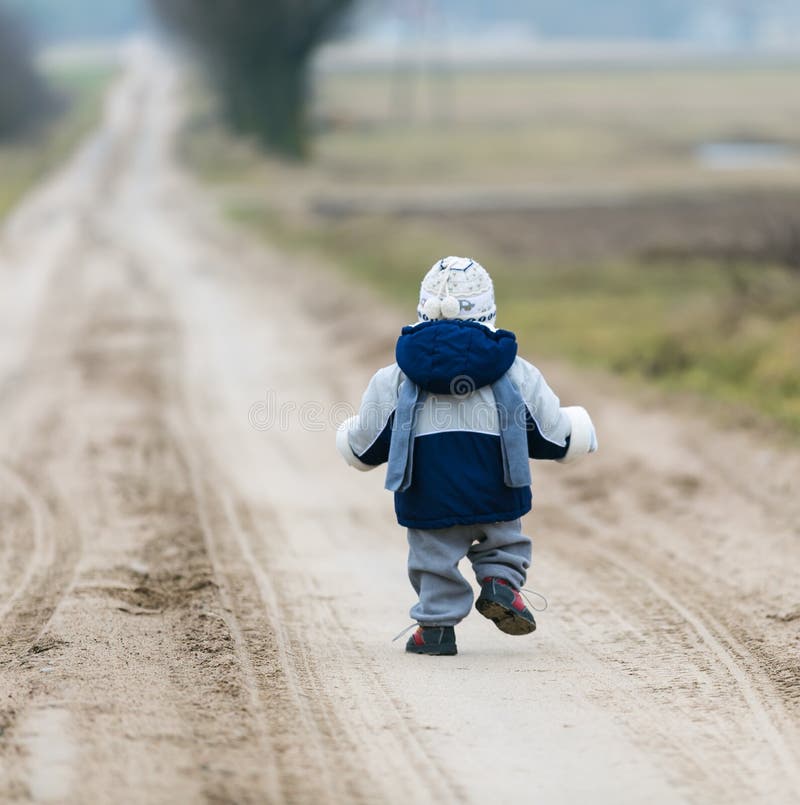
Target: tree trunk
(268,101)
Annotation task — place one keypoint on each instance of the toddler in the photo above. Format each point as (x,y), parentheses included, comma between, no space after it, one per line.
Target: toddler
(456,419)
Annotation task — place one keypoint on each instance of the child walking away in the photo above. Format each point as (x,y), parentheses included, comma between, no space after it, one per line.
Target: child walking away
(456,419)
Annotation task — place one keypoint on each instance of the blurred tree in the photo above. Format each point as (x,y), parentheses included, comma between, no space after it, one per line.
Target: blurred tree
(24,97)
(258,53)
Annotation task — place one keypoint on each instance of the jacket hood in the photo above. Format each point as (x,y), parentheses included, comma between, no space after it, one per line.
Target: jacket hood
(454,357)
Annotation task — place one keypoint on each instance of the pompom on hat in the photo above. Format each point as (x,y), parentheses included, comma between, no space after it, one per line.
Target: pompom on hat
(457,288)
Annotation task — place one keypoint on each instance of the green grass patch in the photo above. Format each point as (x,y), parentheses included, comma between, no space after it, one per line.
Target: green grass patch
(26,162)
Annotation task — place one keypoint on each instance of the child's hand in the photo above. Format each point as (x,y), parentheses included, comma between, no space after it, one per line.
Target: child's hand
(344,448)
(583,438)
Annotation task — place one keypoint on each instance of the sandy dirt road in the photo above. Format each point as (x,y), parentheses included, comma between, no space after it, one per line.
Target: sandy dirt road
(197,597)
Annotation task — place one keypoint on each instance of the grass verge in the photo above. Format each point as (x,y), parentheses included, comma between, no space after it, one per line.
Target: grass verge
(725,327)
(727,331)
(24,163)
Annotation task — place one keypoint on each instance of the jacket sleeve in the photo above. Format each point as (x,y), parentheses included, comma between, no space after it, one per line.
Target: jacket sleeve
(555,433)
(364,439)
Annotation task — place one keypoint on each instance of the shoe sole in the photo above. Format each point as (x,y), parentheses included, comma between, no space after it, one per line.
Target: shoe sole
(438,651)
(505,619)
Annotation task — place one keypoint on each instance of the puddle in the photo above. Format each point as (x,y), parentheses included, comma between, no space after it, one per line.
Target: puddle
(743,155)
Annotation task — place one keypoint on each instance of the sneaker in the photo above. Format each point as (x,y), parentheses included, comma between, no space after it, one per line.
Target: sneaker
(502,603)
(432,640)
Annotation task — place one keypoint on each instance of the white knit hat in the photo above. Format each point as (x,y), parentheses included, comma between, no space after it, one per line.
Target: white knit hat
(457,288)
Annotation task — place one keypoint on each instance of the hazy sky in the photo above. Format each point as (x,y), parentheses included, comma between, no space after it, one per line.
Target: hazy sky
(713,22)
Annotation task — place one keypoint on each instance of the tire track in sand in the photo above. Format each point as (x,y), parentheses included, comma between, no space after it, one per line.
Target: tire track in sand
(43,549)
(40,549)
(320,753)
(642,592)
(358,703)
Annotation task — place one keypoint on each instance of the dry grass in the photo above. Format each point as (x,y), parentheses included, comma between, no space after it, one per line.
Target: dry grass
(691,284)
(609,126)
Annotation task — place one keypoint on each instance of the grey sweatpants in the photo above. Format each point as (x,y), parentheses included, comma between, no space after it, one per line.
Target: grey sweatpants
(445,596)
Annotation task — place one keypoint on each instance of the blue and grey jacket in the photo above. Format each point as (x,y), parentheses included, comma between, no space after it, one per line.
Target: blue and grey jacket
(456,419)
